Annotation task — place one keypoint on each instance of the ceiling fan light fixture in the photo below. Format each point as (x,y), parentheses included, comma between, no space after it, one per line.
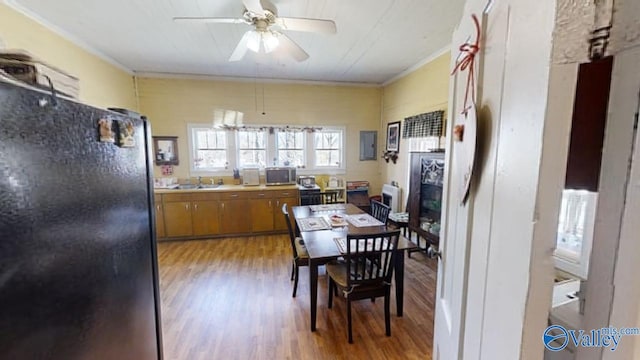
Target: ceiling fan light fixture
(270,41)
(253,43)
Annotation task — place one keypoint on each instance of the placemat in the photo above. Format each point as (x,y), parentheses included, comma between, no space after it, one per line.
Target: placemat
(313,224)
(363,220)
(328,207)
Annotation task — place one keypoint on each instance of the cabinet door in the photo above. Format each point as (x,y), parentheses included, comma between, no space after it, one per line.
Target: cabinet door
(278,217)
(233,217)
(261,214)
(177,219)
(160,233)
(205,217)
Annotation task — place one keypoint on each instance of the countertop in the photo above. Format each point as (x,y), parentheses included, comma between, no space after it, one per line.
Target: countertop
(224,188)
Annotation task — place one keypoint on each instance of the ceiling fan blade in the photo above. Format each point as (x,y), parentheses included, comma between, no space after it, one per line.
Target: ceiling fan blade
(310,25)
(242,48)
(290,47)
(206,19)
(254,6)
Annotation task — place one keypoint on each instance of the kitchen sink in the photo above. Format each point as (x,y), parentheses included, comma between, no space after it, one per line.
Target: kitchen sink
(207,186)
(187,186)
(195,186)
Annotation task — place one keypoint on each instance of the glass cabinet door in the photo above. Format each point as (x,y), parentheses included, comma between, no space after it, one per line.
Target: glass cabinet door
(432,177)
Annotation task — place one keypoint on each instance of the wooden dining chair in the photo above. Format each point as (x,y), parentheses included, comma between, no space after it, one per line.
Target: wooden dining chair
(357,277)
(329,197)
(380,211)
(300,254)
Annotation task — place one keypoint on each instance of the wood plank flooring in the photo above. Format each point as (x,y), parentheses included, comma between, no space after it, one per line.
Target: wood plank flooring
(231,299)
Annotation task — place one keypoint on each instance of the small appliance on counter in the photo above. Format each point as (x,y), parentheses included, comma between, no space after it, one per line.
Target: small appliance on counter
(251,176)
(280,175)
(307,181)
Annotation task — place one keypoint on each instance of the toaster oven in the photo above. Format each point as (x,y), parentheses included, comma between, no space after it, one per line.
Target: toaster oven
(251,176)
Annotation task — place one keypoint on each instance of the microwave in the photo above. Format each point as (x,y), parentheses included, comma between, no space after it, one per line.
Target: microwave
(280,175)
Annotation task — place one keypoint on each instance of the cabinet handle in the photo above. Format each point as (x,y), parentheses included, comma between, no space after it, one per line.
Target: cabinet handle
(285,194)
(269,203)
(260,194)
(186,206)
(222,206)
(158,208)
(195,206)
(277,203)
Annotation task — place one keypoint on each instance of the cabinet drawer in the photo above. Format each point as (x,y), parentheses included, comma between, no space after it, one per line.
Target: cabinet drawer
(260,194)
(176,197)
(285,193)
(232,195)
(205,196)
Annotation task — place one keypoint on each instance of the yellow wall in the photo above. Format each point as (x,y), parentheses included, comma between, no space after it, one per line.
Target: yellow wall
(170,104)
(424,90)
(101,84)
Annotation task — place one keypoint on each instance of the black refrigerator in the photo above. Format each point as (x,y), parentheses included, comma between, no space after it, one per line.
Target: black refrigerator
(78,265)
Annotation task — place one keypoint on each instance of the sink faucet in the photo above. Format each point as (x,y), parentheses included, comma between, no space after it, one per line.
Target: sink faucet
(199,181)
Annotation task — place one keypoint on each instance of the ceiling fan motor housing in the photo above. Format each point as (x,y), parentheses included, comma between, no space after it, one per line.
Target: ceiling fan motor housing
(270,14)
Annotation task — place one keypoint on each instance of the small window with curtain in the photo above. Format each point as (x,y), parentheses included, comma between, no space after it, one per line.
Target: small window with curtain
(328,148)
(210,148)
(424,131)
(290,148)
(252,148)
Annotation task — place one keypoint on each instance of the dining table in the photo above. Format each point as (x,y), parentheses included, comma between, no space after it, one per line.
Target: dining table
(316,226)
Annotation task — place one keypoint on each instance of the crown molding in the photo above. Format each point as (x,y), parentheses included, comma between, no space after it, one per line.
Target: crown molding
(164,75)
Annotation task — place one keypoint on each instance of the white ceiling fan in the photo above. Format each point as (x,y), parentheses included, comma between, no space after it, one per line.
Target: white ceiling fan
(268,29)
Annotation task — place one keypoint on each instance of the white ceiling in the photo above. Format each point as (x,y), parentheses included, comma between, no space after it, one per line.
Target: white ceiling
(376,40)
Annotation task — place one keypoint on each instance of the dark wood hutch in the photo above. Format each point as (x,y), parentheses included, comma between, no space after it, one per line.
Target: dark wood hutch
(425,195)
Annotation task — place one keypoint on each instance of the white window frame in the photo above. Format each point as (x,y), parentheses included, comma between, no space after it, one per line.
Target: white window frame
(192,128)
(272,151)
(312,151)
(570,262)
(267,145)
(305,149)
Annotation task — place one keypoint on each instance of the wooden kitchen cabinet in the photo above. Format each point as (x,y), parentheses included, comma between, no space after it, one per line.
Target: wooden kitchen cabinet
(234,213)
(205,214)
(159,216)
(261,205)
(266,209)
(290,197)
(177,218)
(219,213)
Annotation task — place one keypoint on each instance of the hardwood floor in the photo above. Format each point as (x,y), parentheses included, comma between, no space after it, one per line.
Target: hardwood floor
(231,299)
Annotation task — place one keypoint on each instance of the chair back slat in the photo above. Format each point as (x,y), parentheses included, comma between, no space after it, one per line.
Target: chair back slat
(370,258)
(380,211)
(292,237)
(329,197)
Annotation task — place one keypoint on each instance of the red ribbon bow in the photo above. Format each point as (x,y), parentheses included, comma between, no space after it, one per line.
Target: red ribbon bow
(467,62)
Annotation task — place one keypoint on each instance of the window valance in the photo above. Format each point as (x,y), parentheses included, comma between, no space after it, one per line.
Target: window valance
(423,125)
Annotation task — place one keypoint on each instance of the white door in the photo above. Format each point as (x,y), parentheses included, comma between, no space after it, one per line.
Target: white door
(454,237)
